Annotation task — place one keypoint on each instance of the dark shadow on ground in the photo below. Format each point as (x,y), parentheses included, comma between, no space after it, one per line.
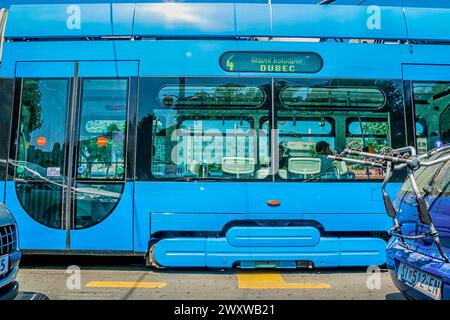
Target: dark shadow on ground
(137,263)
(91,262)
(22,295)
(395,296)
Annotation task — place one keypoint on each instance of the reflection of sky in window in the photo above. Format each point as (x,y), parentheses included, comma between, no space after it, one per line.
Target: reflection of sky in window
(329,96)
(304,127)
(219,125)
(53,114)
(419,129)
(100,96)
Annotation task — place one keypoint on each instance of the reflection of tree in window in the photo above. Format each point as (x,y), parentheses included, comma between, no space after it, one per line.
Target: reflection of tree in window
(223,95)
(93,153)
(103,128)
(30,114)
(43,110)
(370,133)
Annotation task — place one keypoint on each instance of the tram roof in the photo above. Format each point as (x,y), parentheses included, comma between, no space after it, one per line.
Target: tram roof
(225,19)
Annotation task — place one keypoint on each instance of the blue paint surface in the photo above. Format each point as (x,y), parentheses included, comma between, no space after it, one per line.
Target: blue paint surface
(230,20)
(218,253)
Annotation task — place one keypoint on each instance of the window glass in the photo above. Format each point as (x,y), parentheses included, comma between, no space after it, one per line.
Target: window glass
(210,96)
(94,202)
(42,128)
(42,201)
(207,138)
(432,111)
(339,111)
(350,97)
(425,175)
(420,129)
(298,136)
(442,183)
(372,134)
(101,153)
(211,140)
(40,163)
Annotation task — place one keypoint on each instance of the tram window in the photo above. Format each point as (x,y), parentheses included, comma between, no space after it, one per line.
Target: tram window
(335,97)
(205,147)
(298,136)
(181,136)
(101,147)
(432,111)
(93,203)
(189,96)
(316,117)
(203,128)
(40,153)
(40,165)
(371,133)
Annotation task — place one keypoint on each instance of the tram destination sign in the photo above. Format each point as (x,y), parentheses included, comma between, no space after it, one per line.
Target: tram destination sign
(271,62)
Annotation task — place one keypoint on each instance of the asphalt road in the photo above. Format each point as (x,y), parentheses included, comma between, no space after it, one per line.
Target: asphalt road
(128,278)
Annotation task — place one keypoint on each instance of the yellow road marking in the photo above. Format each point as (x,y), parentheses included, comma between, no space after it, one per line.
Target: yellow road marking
(124,284)
(274,281)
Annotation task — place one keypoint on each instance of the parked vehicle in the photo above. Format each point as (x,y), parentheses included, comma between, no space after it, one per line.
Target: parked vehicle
(417,254)
(9,255)
(419,267)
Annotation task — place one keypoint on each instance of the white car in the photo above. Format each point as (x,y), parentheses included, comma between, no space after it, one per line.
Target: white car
(9,255)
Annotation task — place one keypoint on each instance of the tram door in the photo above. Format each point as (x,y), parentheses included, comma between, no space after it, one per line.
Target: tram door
(71,187)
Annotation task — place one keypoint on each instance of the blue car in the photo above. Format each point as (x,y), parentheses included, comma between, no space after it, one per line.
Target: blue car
(418,262)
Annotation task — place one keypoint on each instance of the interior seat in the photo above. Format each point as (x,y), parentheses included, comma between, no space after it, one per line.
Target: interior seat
(238,166)
(304,166)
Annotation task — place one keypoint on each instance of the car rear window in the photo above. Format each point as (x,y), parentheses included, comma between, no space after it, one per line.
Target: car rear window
(441,185)
(425,175)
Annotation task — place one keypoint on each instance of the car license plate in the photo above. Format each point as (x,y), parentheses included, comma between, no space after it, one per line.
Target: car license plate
(421,281)
(4,264)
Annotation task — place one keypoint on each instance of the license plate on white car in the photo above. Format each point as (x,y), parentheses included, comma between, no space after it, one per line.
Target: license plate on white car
(421,281)
(4,264)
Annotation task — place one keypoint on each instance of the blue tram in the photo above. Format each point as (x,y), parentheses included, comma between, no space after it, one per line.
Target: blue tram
(197,134)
